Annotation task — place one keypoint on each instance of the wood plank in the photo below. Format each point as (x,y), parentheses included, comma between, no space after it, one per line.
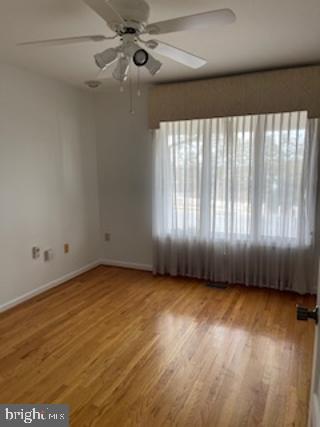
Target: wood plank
(125,348)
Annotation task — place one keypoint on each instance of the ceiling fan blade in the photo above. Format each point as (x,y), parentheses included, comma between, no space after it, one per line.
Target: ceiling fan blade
(66,41)
(192,22)
(106,12)
(176,54)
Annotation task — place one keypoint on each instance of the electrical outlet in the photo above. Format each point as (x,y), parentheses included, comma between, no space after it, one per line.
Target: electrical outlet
(66,248)
(107,237)
(48,255)
(35,252)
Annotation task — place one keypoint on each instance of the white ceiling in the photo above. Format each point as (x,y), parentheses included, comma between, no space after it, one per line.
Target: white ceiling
(267,34)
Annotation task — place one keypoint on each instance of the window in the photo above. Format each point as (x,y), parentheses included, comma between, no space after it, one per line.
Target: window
(234,179)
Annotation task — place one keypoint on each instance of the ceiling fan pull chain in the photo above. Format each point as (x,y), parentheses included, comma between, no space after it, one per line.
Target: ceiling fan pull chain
(131,94)
(138,82)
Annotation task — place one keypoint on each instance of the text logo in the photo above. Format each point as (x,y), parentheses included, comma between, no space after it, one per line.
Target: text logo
(18,415)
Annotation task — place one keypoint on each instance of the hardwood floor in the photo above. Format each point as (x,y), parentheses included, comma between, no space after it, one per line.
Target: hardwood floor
(124,348)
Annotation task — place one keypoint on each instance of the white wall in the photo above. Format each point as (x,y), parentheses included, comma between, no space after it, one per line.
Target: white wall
(48,180)
(125,177)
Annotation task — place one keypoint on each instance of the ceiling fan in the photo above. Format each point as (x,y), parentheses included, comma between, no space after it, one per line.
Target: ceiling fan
(129,20)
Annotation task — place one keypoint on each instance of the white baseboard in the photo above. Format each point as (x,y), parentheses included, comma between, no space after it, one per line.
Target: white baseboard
(125,264)
(47,286)
(69,276)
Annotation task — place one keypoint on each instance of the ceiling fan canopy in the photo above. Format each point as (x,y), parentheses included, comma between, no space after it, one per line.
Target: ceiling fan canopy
(129,20)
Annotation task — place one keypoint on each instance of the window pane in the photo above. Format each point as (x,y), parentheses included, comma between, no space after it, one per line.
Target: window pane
(235,178)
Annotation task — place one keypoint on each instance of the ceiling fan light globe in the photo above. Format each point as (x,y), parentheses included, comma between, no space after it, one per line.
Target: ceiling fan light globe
(140,58)
(106,57)
(153,65)
(121,71)
(129,49)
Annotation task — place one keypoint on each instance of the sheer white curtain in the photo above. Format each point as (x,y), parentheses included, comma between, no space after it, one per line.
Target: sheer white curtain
(235,199)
